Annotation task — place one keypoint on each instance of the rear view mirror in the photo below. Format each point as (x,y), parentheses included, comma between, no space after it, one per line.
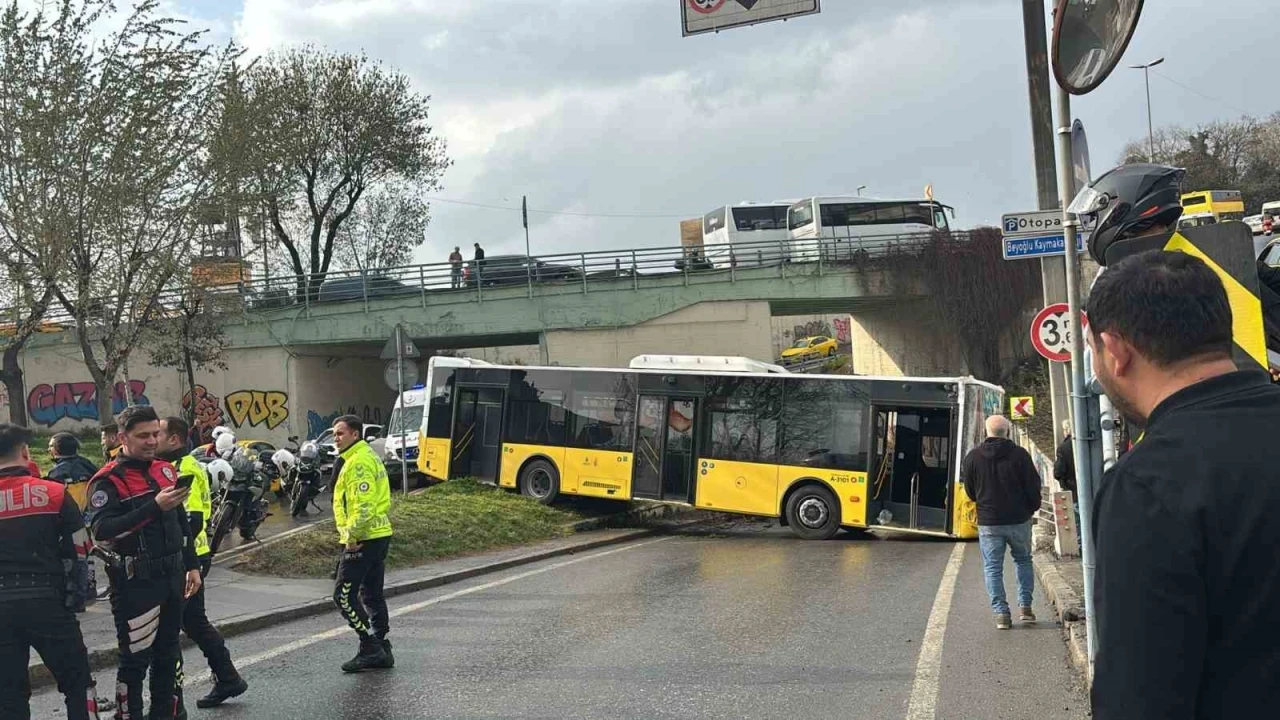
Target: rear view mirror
(1089,38)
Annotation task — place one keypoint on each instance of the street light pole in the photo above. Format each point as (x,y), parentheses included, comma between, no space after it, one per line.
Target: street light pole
(1151,133)
(860,189)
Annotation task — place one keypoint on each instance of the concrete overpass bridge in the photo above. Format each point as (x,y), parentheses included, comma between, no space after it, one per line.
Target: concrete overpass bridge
(297,357)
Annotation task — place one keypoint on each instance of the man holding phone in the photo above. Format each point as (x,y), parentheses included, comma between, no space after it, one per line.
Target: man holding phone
(136,514)
(174,432)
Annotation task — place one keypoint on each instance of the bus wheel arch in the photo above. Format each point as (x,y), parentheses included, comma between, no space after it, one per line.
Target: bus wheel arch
(811,509)
(539,479)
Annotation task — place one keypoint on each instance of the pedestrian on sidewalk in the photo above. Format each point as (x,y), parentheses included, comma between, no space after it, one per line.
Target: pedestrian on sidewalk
(1187,581)
(135,512)
(455,268)
(41,536)
(195,620)
(1064,467)
(479,263)
(361,501)
(75,472)
(1002,479)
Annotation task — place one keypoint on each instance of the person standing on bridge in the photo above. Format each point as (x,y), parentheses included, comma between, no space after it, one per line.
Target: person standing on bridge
(1002,479)
(195,620)
(361,501)
(1188,579)
(479,263)
(455,268)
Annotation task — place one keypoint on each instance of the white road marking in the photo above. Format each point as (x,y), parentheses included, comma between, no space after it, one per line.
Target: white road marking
(923,704)
(336,632)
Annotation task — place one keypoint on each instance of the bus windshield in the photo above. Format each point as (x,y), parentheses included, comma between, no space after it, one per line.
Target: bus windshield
(405,420)
(800,215)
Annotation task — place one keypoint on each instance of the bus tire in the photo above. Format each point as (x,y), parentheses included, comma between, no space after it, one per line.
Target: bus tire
(813,513)
(540,481)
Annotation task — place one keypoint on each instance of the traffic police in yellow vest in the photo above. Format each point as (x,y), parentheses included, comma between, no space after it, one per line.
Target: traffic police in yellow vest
(195,620)
(361,503)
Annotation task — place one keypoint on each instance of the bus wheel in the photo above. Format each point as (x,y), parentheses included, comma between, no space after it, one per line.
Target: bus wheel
(813,513)
(540,481)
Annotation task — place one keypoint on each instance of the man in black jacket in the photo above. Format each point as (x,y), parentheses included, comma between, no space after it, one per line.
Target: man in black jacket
(1001,478)
(1187,582)
(75,471)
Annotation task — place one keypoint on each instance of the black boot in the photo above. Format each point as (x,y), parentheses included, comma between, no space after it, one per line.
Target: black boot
(391,659)
(228,686)
(372,656)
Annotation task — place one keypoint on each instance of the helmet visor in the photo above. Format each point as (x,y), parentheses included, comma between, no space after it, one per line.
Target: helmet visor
(1089,201)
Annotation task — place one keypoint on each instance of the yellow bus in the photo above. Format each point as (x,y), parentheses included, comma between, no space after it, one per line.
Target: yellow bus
(1209,207)
(818,452)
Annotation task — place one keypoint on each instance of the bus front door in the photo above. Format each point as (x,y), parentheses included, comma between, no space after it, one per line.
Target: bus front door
(664,458)
(477,447)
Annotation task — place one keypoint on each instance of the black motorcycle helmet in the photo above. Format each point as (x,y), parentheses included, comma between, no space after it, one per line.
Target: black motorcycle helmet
(1127,201)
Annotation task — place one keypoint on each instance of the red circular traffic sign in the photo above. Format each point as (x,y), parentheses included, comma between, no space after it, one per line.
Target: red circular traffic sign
(706,7)
(1051,333)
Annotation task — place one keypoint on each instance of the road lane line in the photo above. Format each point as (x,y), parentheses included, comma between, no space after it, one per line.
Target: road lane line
(923,704)
(343,630)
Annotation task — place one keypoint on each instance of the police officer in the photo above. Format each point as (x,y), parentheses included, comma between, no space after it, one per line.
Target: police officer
(361,501)
(195,622)
(41,532)
(135,512)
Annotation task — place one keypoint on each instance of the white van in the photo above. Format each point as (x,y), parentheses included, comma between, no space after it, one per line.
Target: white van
(402,430)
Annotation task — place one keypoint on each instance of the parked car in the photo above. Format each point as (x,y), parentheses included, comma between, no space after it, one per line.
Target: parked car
(516,270)
(359,287)
(1255,223)
(809,348)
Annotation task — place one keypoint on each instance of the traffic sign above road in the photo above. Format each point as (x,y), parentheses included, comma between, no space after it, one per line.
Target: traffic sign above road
(1051,333)
(390,352)
(1034,222)
(703,16)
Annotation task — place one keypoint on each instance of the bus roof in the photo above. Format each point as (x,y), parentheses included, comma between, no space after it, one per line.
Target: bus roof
(470,362)
(851,199)
(727,363)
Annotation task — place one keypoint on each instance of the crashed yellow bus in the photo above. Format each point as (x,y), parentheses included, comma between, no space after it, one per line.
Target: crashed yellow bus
(817,452)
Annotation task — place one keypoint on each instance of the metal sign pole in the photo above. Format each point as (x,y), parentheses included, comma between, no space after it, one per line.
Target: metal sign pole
(404,466)
(1082,436)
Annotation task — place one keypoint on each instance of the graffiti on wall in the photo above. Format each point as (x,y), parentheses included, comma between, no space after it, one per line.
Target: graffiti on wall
(47,404)
(317,423)
(811,328)
(843,334)
(258,407)
(207,412)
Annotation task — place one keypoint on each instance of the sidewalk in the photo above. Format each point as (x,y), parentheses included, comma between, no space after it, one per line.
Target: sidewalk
(1063,581)
(238,603)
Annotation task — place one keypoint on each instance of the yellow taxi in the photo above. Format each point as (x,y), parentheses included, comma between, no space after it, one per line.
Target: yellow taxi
(809,348)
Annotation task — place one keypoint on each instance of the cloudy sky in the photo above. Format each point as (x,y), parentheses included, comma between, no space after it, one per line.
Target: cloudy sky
(595,108)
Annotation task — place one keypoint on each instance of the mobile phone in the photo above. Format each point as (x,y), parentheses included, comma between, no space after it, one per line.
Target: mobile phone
(184,481)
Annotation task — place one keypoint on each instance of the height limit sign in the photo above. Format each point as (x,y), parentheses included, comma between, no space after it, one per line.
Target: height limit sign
(1051,333)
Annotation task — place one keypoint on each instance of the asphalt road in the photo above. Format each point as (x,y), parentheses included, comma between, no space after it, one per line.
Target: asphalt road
(740,621)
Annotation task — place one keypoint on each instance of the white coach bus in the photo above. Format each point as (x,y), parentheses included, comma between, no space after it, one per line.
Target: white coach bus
(754,233)
(842,223)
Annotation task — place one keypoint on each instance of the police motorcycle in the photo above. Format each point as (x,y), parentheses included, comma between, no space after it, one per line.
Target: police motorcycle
(305,480)
(242,500)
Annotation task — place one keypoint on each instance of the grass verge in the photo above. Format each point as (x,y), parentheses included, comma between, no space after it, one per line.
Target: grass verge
(91,448)
(458,517)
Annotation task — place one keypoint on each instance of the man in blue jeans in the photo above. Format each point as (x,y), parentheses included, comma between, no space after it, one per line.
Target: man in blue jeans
(1002,479)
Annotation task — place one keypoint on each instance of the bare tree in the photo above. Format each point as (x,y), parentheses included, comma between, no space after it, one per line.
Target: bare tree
(191,335)
(310,134)
(113,161)
(383,231)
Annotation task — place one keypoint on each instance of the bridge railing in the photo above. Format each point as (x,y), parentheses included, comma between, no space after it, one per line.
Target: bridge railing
(548,274)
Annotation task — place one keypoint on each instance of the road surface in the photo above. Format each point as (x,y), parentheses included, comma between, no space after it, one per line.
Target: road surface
(741,620)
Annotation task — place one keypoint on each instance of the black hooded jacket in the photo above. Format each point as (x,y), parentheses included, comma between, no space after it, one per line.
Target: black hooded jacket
(1001,478)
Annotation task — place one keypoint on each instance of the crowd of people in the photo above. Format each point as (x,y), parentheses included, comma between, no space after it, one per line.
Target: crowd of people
(144,513)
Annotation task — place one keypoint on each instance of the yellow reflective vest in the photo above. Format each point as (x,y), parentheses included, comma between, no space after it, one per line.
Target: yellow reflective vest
(198,501)
(362,496)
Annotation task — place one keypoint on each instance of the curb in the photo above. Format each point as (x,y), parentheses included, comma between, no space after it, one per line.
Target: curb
(105,656)
(1070,613)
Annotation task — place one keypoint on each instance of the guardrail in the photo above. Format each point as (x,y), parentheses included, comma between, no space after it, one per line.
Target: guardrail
(611,268)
